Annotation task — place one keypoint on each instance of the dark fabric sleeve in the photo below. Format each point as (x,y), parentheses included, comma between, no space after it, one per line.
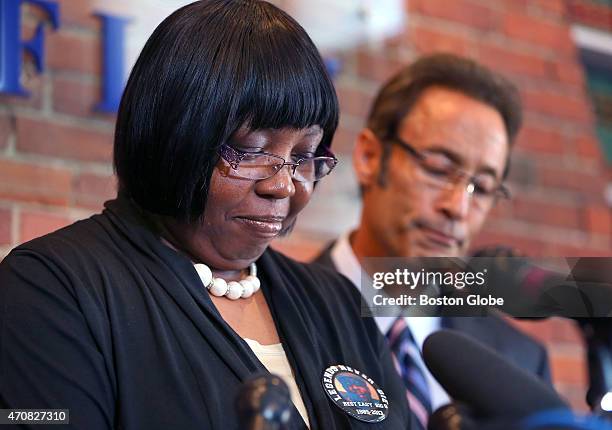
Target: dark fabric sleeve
(48,355)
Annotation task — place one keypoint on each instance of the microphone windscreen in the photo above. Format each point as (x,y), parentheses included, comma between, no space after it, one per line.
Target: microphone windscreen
(263,402)
(481,378)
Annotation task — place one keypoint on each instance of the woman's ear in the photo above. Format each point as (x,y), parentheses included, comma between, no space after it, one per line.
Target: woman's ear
(367,158)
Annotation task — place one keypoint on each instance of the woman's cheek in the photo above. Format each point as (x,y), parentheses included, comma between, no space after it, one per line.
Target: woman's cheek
(303,193)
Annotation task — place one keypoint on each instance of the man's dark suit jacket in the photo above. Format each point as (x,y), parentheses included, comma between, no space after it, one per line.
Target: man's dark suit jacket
(492,330)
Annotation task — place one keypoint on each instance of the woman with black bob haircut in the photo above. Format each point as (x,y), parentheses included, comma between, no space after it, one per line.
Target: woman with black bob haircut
(153,314)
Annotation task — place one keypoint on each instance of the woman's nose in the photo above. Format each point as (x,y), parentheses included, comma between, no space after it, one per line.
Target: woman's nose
(279,186)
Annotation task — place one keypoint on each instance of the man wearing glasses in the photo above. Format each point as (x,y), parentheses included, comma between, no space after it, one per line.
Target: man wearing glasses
(431,164)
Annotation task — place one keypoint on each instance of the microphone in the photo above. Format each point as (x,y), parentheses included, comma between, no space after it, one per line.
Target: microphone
(584,291)
(584,296)
(497,394)
(481,378)
(264,403)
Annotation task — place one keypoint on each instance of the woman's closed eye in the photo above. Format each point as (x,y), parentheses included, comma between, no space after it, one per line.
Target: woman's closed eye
(246,150)
(302,156)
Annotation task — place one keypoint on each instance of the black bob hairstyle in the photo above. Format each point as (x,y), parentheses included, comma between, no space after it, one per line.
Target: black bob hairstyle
(208,69)
(399,95)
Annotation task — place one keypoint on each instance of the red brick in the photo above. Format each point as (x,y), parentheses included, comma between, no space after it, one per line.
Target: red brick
(538,31)
(36,224)
(492,236)
(6,128)
(302,250)
(376,67)
(73,97)
(76,98)
(428,40)
(568,73)
(515,5)
(563,331)
(471,13)
(599,219)
(57,140)
(582,249)
(354,100)
(509,62)
(590,184)
(25,182)
(557,8)
(552,332)
(501,210)
(542,140)
(558,105)
(546,330)
(92,190)
(344,139)
(551,214)
(33,84)
(568,369)
(569,250)
(523,169)
(5,227)
(66,51)
(575,397)
(540,330)
(588,147)
(77,13)
(590,14)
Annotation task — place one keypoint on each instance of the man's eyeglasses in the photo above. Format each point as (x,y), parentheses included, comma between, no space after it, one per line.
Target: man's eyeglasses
(441,172)
(262,165)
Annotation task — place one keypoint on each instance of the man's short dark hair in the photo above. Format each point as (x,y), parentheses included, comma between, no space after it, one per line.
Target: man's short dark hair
(399,95)
(208,69)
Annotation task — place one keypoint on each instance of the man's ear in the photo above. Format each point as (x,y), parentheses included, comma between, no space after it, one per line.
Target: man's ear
(367,158)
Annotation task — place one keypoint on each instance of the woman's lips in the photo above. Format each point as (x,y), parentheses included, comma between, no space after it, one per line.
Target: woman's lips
(262,226)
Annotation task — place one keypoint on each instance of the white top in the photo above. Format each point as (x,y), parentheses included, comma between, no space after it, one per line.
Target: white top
(274,359)
(346,263)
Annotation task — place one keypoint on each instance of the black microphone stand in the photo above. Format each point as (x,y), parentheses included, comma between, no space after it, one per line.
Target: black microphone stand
(597,333)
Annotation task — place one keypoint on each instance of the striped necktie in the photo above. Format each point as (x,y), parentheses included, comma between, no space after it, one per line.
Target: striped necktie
(407,359)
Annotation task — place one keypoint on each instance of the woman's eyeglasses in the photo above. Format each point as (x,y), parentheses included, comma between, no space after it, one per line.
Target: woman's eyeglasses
(262,165)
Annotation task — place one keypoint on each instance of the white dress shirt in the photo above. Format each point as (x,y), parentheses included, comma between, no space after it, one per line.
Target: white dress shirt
(347,264)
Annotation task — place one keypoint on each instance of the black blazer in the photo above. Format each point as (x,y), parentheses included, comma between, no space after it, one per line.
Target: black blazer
(105,320)
(491,330)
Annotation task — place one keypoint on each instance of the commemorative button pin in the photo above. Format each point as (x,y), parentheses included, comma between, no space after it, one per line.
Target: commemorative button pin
(355,393)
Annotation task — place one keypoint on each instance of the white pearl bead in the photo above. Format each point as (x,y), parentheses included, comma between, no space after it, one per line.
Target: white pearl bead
(234,290)
(204,273)
(247,288)
(219,287)
(255,281)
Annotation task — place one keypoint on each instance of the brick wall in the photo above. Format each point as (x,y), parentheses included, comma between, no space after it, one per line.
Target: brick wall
(55,152)
(558,175)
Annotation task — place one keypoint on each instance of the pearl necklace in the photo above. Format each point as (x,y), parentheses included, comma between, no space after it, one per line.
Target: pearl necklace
(233,290)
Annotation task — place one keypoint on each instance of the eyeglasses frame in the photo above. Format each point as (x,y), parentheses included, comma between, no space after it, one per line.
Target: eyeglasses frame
(500,192)
(234,156)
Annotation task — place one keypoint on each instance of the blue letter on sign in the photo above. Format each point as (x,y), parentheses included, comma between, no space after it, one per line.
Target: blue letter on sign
(113,73)
(11,43)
